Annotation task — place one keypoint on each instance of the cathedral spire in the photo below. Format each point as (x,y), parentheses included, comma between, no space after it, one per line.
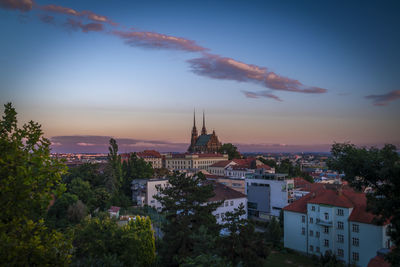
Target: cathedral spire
(203,130)
(194,118)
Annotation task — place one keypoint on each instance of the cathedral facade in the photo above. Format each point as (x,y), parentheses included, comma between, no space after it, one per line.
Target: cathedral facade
(204,143)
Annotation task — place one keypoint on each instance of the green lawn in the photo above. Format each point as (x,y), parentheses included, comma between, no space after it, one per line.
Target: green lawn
(279,259)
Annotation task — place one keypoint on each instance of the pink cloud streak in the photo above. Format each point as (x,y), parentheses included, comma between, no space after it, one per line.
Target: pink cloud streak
(75,25)
(158,41)
(21,5)
(385,99)
(217,67)
(265,94)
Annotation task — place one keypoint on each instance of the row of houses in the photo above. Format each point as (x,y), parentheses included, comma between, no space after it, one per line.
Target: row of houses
(318,217)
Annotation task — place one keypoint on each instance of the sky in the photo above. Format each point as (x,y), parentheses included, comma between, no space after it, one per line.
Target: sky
(270,76)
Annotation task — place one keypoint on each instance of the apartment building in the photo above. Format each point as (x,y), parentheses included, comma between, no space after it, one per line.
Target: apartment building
(177,162)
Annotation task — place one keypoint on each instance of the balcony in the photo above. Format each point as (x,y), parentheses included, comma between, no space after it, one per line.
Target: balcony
(324,223)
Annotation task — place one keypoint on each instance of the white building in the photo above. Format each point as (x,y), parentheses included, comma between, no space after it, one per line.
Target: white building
(176,162)
(267,193)
(143,191)
(334,220)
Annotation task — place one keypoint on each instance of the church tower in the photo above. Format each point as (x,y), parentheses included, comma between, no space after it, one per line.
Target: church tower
(203,130)
(194,134)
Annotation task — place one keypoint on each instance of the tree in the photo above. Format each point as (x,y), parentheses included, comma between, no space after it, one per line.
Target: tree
(274,232)
(57,216)
(114,178)
(29,179)
(135,168)
(243,246)
(186,208)
(99,240)
(269,162)
(378,169)
(231,150)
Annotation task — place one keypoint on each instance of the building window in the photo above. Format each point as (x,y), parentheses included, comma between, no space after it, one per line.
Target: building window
(355,241)
(222,215)
(326,243)
(226,203)
(313,208)
(311,248)
(152,201)
(311,233)
(340,225)
(356,228)
(303,219)
(317,249)
(303,231)
(356,256)
(317,234)
(217,216)
(340,252)
(231,202)
(326,216)
(340,212)
(326,229)
(340,238)
(387,243)
(317,220)
(311,220)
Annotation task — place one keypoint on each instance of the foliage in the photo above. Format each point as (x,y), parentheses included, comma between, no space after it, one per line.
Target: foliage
(114,180)
(243,245)
(269,162)
(274,232)
(293,171)
(100,238)
(29,179)
(231,150)
(134,168)
(57,216)
(186,208)
(378,169)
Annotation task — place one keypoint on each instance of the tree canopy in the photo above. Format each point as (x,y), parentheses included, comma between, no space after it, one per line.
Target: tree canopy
(29,179)
(231,150)
(378,169)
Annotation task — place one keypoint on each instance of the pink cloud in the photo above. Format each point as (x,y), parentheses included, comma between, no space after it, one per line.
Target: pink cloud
(75,25)
(385,99)
(217,67)
(265,94)
(72,12)
(21,5)
(158,41)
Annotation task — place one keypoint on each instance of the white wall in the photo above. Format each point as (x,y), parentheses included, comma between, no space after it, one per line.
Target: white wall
(229,206)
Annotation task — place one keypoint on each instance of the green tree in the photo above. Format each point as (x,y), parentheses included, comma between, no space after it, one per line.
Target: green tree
(231,150)
(269,162)
(274,233)
(57,216)
(243,246)
(29,178)
(114,177)
(380,170)
(99,240)
(186,208)
(134,168)
(82,190)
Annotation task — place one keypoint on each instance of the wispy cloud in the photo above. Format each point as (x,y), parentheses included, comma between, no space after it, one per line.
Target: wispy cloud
(266,94)
(217,67)
(21,5)
(75,25)
(385,99)
(47,19)
(158,41)
(72,12)
(78,143)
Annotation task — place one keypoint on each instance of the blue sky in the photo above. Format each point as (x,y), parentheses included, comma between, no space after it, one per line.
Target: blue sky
(268,74)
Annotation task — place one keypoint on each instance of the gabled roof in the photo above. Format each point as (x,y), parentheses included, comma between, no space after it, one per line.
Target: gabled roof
(222,192)
(263,166)
(114,209)
(149,154)
(343,197)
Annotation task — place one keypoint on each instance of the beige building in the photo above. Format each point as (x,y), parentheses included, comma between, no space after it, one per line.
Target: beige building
(151,156)
(177,162)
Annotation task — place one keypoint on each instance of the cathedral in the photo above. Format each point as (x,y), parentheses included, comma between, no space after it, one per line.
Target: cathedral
(204,143)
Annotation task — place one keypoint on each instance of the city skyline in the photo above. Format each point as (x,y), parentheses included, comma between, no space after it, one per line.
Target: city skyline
(271,76)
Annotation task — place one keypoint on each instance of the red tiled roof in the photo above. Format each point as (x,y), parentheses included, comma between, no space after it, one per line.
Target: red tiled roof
(149,154)
(222,163)
(378,261)
(114,209)
(345,197)
(264,166)
(300,182)
(222,192)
